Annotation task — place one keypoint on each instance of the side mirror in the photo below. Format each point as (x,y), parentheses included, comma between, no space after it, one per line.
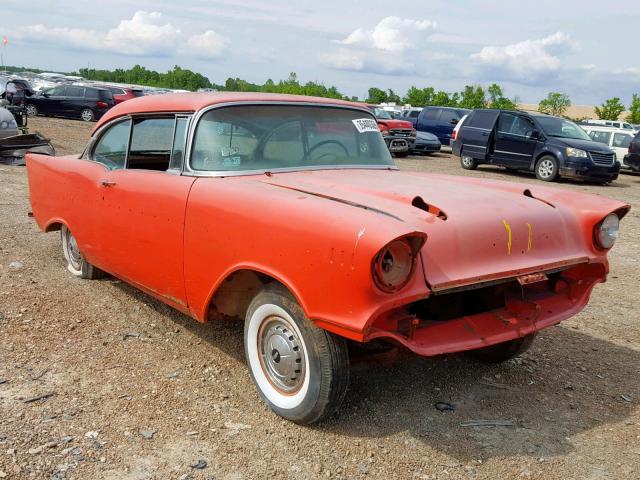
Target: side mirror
(534,135)
(45,95)
(454,121)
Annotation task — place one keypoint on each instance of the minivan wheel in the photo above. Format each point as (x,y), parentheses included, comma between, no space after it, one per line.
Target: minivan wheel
(87,115)
(300,370)
(468,163)
(32,110)
(547,168)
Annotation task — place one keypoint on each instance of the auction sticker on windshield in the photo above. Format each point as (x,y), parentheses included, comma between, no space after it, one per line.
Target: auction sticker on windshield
(365,125)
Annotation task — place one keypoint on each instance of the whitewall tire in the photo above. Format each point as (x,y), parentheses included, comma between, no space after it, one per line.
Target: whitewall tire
(76,263)
(300,370)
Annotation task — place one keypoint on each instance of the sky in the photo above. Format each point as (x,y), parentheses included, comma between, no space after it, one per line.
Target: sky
(585,49)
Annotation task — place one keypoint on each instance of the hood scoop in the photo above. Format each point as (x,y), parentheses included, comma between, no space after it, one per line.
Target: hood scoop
(418,202)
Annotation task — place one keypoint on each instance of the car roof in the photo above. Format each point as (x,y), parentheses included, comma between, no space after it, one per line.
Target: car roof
(193,102)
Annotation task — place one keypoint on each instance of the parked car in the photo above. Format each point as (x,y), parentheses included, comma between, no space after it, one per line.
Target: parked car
(552,147)
(610,123)
(426,143)
(632,159)
(121,94)
(289,212)
(71,101)
(617,139)
(410,115)
(15,90)
(440,121)
(399,135)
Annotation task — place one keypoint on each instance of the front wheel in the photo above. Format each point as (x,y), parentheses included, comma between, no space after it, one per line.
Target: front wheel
(87,115)
(547,169)
(300,370)
(502,352)
(32,110)
(76,263)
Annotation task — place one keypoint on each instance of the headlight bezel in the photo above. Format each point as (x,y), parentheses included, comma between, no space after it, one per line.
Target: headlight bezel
(606,232)
(408,247)
(576,152)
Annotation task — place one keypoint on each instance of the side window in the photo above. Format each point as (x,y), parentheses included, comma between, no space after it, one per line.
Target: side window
(151,143)
(485,119)
(506,122)
(179,142)
(55,91)
(74,91)
(448,115)
(621,140)
(431,113)
(111,148)
(414,113)
(600,137)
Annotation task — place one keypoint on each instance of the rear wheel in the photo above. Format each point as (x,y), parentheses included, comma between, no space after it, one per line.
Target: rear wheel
(547,169)
(468,163)
(76,263)
(300,370)
(503,351)
(87,115)
(32,110)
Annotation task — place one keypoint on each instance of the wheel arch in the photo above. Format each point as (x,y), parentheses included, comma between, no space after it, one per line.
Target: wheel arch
(544,153)
(231,295)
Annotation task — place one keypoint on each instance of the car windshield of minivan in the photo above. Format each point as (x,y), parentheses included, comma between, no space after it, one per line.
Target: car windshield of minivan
(266,137)
(559,127)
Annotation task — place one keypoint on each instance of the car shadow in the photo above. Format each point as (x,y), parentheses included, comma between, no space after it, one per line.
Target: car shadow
(531,175)
(568,383)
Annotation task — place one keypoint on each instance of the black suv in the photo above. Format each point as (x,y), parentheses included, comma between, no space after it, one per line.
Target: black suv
(72,101)
(552,147)
(632,159)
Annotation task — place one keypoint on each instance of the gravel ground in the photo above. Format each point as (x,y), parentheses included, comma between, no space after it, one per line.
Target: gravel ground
(135,390)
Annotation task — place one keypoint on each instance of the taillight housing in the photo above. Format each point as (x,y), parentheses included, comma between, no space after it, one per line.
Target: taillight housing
(393,266)
(454,134)
(102,105)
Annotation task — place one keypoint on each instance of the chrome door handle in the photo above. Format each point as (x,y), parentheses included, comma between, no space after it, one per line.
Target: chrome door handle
(107,183)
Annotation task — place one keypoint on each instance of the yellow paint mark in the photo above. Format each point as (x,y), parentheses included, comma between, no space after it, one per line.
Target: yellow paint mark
(530,242)
(507,227)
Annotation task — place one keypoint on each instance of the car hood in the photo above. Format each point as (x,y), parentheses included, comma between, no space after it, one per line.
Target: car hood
(477,230)
(587,145)
(427,137)
(394,123)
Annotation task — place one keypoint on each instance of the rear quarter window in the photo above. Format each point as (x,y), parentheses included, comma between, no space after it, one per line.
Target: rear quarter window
(431,113)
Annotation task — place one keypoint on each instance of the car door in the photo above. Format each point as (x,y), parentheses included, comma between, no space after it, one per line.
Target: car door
(515,142)
(620,144)
(476,133)
(50,101)
(142,210)
(73,101)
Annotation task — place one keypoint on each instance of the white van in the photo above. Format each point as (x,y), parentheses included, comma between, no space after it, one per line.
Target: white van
(617,139)
(611,123)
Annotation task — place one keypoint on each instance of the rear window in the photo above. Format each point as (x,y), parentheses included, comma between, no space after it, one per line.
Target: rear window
(266,137)
(482,119)
(137,93)
(105,95)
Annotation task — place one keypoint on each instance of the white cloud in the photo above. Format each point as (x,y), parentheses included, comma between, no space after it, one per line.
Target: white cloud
(527,59)
(391,34)
(146,33)
(143,34)
(343,60)
(207,45)
(367,63)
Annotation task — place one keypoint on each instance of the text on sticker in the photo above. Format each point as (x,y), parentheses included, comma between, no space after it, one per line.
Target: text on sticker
(364,125)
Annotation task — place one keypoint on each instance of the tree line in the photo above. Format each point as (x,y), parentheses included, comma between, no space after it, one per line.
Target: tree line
(472,96)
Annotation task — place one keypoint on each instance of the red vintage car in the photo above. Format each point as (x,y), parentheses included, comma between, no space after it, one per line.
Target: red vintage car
(289,212)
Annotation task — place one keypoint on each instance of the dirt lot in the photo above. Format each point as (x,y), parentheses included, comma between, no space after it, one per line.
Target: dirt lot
(140,391)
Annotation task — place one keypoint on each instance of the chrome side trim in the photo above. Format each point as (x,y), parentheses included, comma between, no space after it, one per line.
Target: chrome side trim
(513,153)
(473,145)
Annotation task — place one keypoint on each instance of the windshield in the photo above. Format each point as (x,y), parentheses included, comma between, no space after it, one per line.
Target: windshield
(382,113)
(559,127)
(266,137)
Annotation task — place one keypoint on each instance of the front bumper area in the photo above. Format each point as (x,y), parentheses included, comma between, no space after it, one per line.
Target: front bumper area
(632,160)
(480,317)
(423,147)
(399,143)
(588,171)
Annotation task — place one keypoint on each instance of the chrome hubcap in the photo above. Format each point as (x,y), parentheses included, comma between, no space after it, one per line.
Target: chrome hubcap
(466,161)
(281,354)
(31,111)
(86,115)
(545,169)
(75,257)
